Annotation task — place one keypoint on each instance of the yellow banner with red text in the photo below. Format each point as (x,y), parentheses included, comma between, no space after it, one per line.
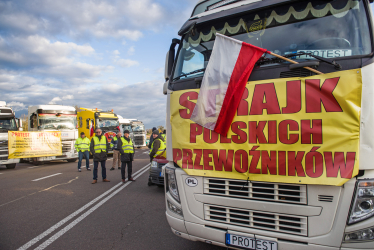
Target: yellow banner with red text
(291,130)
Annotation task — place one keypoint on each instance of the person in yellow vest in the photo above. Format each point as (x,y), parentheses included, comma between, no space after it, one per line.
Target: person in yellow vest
(127,150)
(99,149)
(158,148)
(116,153)
(164,135)
(82,145)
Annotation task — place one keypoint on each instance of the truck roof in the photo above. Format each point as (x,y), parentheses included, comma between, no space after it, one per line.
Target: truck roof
(2,104)
(52,107)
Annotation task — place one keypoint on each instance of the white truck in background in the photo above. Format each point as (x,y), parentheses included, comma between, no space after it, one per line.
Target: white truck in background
(125,124)
(140,135)
(8,122)
(55,118)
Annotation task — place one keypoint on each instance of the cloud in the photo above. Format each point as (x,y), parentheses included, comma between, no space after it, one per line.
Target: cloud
(68,97)
(55,100)
(131,51)
(16,106)
(125,63)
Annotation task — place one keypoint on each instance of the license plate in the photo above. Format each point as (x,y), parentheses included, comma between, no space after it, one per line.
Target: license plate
(250,243)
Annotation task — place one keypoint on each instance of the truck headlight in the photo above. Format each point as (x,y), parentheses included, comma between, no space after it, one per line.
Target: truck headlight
(361,235)
(154,164)
(171,183)
(363,204)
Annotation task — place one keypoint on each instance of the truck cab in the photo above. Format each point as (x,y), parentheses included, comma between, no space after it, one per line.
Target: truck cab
(8,122)
(125,124)
(140,135)
(55,118)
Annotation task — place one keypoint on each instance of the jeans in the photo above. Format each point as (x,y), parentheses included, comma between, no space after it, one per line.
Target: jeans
(103,169)
(86,156)
(129,169)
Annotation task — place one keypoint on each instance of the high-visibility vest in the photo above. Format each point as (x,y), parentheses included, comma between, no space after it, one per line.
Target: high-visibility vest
(82,144)
(161,150)
(100,145)
(113,139)
(127,146)
(164,136)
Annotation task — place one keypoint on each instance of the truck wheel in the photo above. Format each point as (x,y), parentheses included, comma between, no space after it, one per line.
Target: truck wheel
(150,182)
(71,160)
(10,166)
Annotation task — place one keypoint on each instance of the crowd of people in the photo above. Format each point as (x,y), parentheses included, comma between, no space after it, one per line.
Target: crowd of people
(123,152)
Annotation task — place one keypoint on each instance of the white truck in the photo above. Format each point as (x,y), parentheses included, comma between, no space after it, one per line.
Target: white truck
(125,124)
(8,122)
(140,135)
(55,118)
(212,189)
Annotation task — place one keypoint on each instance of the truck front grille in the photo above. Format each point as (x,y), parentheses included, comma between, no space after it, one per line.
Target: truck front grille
(139,140)
(66,146)
(3,150)
(282,223)
(274,192)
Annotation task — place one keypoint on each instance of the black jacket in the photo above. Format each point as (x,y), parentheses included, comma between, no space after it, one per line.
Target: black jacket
(125,156)
(102,156)
(151,138)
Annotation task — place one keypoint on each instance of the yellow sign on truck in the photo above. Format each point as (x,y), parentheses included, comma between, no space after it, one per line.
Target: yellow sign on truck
(294,130)
(34,144)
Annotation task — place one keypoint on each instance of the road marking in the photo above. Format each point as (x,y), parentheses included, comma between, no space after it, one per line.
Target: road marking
(145,152)
(33,167)
(63,221)
(1,173)
(80,218)
(46,177)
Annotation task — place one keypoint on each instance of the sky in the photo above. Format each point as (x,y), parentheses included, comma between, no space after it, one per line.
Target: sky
(106,54)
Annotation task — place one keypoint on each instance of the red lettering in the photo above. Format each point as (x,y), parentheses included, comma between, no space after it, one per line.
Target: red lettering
(269,162)
(315,95)
(199,154)
(315,131)
(195,129)
(256,132)
(281,162)
(210,136)
(223,159)
(254,162)
(241,161)
(284,136)
(272,132)
(243,104)
(207,159)
(264,91)
(187,161)
(293,97)
(295,163)
(240,136)
(184,101)
(224,139)
(339,163)
(177,154)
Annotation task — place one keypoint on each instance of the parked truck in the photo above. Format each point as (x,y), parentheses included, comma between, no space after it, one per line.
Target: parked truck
(91,119)
(8,122)
(295,171)
(55,118)
(140,135)
(125,124)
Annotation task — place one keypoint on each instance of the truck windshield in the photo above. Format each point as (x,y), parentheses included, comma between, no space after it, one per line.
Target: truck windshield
(106,123)
(328,29)
(54,122)
(127,127)
(8,124)
(138,128)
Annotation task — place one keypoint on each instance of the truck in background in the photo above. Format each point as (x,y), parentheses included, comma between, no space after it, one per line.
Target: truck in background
(232,212)
(91,119)
(8,122)
(140,135)
(125,124)
(55,118)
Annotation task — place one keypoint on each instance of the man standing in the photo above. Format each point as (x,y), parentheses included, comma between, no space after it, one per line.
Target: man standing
(99,149)
(82,145)
(151,137)
(158,148)
(116,153)
(126,147)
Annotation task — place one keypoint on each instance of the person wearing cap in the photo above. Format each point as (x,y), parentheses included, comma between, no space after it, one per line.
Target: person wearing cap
(116,153)
(127,150)
(151,138)
(99,149)
(82,145)
(158,148)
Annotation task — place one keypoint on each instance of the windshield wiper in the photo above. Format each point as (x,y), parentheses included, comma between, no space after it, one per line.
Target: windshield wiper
(263,60)
(190,73)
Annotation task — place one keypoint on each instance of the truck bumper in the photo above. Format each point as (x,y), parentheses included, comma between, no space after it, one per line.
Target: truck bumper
(9,161)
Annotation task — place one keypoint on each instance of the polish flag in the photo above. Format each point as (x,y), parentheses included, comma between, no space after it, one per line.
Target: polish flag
(91,129)
(225,78)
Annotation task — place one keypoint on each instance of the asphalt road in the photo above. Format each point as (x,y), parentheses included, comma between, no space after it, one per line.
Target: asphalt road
(65,211)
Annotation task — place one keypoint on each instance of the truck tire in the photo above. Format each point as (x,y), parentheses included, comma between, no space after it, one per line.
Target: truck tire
(72,160)
(10,166)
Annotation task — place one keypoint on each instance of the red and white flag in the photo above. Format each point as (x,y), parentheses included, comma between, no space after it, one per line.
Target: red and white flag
(91,129)
(225,78)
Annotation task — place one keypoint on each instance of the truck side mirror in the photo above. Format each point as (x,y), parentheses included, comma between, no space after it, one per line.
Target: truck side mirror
(170,56)
(19,123)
